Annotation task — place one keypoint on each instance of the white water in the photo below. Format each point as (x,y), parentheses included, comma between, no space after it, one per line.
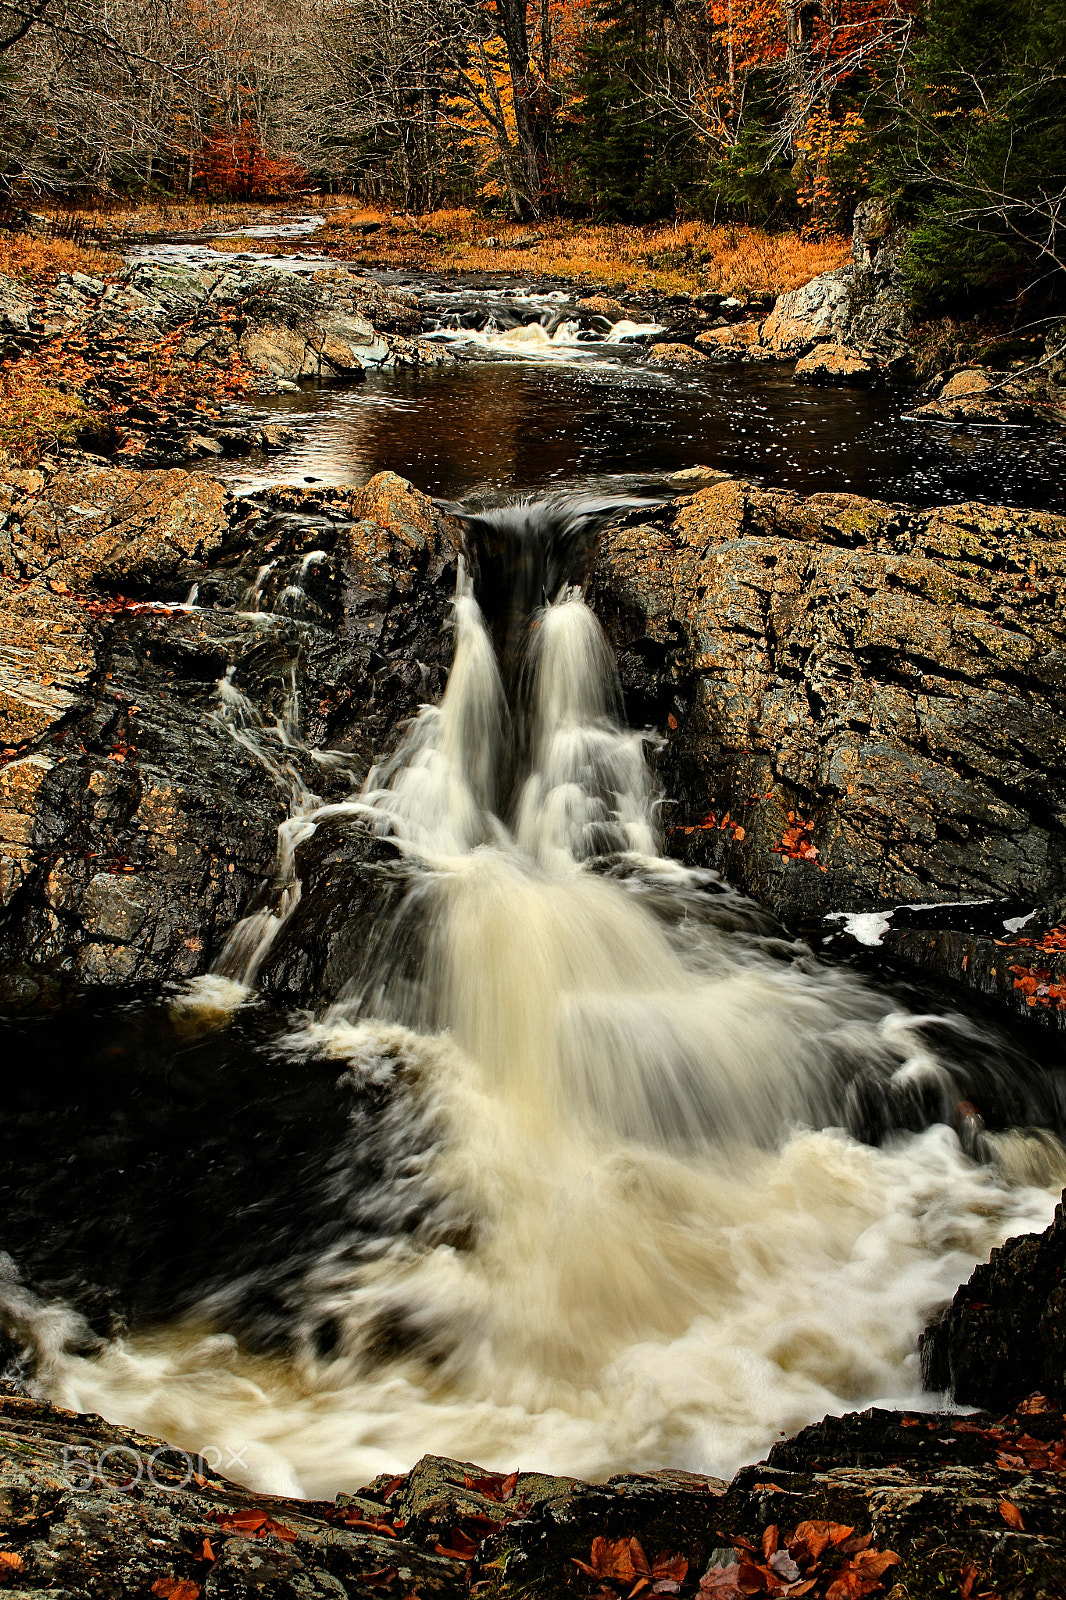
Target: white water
(644,1237)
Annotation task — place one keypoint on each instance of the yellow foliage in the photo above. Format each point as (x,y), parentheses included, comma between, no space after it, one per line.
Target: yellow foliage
(32,259)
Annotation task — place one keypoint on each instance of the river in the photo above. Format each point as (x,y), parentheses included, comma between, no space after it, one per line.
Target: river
(593,1168)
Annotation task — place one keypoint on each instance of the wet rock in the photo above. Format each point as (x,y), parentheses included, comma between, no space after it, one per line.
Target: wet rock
(918,1499)
(863,703)
(601,305)
(677,355)
(835,364)
(976,397)
(737,341)
(1004,1333)
(135,828)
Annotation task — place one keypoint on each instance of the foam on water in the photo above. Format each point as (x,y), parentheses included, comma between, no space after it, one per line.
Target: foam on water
(624,1224)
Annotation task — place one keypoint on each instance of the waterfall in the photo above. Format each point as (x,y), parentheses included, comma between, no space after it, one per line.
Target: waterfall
(657,1185)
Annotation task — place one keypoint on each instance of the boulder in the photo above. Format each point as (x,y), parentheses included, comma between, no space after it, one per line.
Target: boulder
(1004,1333)
(135,829)
(872,693)
(677,355)
(835,365)
(819,310)
(736,341)
(601,305)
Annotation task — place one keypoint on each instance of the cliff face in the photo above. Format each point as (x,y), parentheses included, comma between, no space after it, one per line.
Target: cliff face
(137,821)
(863,703)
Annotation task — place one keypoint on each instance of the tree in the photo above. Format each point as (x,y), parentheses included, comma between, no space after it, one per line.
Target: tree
(977,156)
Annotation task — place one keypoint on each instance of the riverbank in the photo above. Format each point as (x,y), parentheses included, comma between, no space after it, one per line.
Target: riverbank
(896,1504)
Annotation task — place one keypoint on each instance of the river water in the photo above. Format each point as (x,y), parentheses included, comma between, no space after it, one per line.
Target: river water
(592,1168)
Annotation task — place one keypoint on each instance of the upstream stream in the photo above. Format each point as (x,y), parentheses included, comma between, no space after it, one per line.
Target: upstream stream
(591,1168)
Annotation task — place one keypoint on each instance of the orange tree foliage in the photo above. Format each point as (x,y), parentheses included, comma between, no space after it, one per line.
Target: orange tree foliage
(234,165)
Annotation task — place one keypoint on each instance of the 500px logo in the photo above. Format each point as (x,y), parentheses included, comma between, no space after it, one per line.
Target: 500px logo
(121,1467)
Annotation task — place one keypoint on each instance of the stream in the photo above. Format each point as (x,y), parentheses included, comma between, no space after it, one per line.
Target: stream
(592,1167)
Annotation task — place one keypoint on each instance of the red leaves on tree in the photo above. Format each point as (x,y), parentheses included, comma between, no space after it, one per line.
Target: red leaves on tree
(234,164)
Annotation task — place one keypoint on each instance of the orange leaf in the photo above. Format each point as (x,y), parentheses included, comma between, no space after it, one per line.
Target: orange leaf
(1011,1515)
(176,1589)
(671,722)
(769,1541)
(10,1561)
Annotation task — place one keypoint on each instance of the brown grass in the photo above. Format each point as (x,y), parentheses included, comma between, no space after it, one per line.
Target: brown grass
(678,258)
(684,257)
(29,258)
(39,413)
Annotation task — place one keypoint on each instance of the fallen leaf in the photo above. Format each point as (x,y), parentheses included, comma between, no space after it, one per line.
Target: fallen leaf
(769,1541)
(671,722)
(176,1589)
(1011,1515)
(721,1583)
(10,1561)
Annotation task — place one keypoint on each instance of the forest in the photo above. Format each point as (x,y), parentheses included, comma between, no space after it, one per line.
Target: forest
(776,112)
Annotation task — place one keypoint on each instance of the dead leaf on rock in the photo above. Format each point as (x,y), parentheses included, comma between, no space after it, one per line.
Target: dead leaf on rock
(1011,1515)
(176,1589)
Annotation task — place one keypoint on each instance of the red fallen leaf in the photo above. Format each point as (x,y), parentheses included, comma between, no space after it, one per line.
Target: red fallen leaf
(766,1488)
(254,1525)
(176,1589)
(670,1567)
(10,1561)
(754,1580)
(493,1485)
(615,1558)
(207,1552)
(460,1548)
(873,1563)
(721,1583)
(381,1578)
(851,1586)
(1011,1515)
(818,1536)
(861,1541)
(769,1541)
(671,722)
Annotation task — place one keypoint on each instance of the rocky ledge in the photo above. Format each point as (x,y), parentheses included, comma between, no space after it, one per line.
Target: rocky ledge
(238,328)
(863,710)
(902,1505)
(861,707)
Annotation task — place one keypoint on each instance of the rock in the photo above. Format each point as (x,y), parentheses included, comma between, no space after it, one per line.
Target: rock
(971,381)
(201,444)
(601,305)
(819,310)
(677,355)
(737,341)
(135,831)
(977,397)
(691,478)
(835,364)
(1004,1333)
(916,1499)
(891,677)
(272,436)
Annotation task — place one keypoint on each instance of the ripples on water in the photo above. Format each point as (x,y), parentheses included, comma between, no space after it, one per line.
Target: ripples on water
(523,427)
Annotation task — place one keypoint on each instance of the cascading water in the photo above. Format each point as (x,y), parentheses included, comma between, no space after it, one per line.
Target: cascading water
(630,1212)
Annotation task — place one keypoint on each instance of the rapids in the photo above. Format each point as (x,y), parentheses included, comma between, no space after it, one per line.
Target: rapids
(630,1178)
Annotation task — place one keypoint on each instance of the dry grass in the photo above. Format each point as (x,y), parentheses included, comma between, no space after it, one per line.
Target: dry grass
(29,258)
(682,258)
(38,413)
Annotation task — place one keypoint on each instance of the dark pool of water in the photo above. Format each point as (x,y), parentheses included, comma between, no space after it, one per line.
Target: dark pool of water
(517,426)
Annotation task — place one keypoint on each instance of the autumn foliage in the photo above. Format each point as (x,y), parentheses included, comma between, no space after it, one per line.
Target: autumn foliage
(233,164)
